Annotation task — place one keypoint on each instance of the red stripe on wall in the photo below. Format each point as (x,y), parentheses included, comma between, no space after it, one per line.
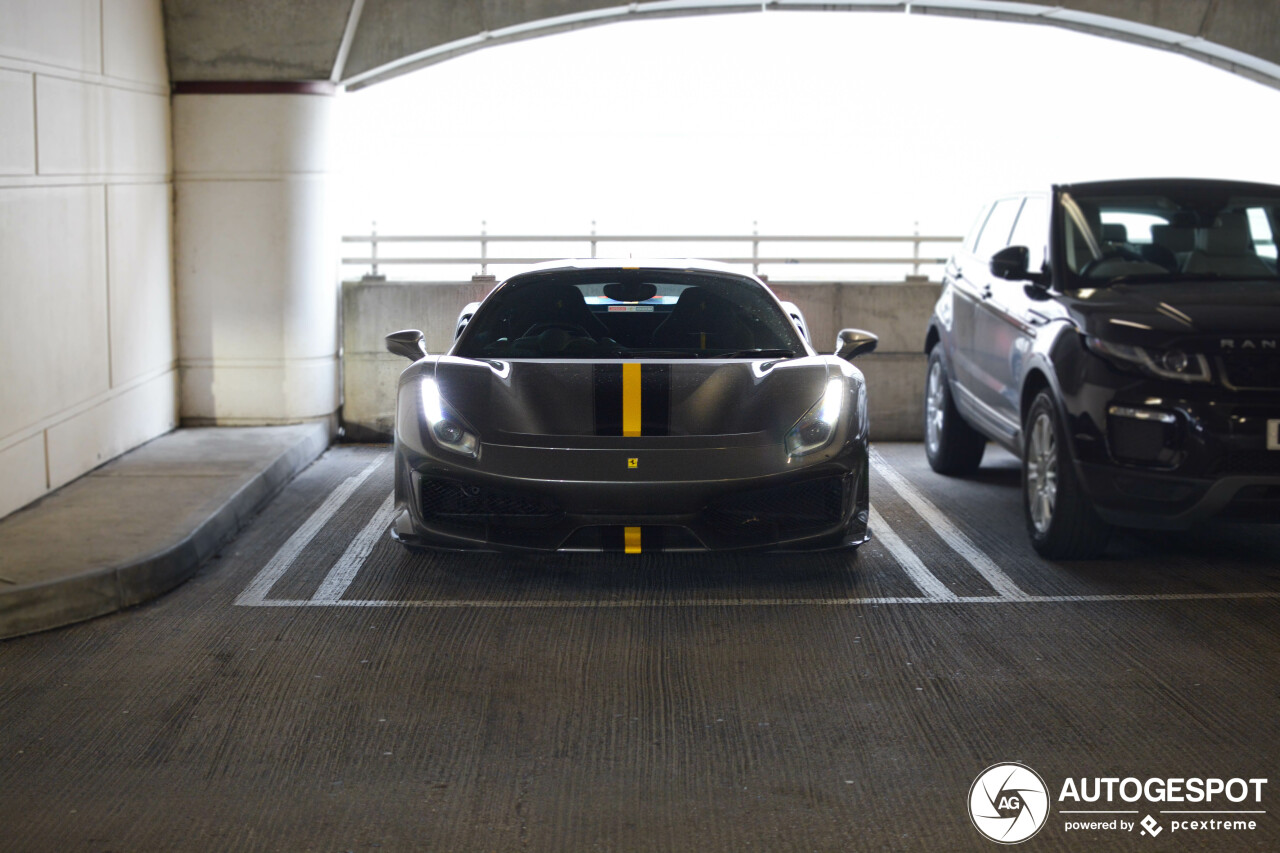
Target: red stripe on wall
(254,87)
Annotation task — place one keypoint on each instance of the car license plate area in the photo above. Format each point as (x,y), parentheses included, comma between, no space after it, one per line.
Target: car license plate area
(1273,434)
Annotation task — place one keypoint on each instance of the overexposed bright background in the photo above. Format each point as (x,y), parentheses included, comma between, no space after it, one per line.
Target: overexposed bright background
(802,122)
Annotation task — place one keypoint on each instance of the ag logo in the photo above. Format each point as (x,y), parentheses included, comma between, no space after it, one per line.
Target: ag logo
(1008,803)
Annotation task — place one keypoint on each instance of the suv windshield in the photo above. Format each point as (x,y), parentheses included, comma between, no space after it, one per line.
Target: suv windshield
(1183,232)
(611,313)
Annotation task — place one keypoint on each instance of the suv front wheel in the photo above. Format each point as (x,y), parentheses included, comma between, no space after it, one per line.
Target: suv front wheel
(1062,523)
(951,445)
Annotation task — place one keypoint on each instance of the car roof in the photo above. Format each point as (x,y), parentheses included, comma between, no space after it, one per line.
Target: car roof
(679,264)
(1139,185)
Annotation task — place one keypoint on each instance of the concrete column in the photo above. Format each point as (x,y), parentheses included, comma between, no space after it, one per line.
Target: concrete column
(255,256)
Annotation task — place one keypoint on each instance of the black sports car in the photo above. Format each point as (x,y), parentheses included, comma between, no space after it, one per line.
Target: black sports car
(619,405)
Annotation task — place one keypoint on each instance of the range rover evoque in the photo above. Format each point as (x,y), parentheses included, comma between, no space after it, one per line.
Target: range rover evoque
(1123,339)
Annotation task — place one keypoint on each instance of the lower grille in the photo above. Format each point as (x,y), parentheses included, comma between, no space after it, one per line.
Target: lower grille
(1254,503)
(1251,370)
(449,500)
(1261,462)
(781,510)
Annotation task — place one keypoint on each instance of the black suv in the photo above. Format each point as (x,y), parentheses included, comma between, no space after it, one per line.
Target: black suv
(1123,339)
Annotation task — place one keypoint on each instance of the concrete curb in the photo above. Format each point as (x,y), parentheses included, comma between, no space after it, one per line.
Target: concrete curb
(42,606)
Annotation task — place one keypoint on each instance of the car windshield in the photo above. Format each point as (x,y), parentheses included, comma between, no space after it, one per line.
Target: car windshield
(642,313)
(1183,232)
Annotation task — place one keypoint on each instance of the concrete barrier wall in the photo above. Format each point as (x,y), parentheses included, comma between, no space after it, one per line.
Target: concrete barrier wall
(896,311)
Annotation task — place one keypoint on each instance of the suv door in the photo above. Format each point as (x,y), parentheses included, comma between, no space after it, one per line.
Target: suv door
(979,357)
(972,284)
(1006,321)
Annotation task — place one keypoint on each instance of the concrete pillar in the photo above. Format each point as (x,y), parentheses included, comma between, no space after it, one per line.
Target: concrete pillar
(255,256)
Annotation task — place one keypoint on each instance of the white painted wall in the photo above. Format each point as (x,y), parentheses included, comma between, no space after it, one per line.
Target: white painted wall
(255,258)
(87,346)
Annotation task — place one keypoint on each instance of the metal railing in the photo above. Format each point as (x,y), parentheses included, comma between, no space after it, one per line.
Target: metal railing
(593,242)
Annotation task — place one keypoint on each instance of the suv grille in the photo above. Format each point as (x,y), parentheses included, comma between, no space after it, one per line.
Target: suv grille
(1251,370)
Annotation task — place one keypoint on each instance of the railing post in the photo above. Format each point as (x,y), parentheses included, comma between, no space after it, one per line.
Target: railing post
(755,248)
(484,247)
(915,251)
(593,238)
(373,253)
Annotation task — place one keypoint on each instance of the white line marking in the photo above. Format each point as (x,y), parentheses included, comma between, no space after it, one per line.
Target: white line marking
(275,568)
(907,559)
(767,602)
(951,534)
(344,571)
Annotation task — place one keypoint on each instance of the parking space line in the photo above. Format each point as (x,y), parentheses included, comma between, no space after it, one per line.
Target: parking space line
(950,534)
(907,559)
(771,602)
(276,567)
(344,571)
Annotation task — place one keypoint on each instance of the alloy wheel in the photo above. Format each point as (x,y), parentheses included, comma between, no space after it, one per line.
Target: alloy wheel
(935,407)
(1042,472)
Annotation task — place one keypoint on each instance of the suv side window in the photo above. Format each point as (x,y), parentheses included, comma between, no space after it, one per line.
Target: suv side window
(1032,230)
(1260,233)
(995,233)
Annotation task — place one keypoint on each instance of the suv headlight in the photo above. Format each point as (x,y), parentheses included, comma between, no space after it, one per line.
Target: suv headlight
(1166,364)
(446,429)
(815,430)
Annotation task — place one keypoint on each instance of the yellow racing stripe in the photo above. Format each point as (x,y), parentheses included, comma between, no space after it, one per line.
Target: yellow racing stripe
(631,400)
(631,540)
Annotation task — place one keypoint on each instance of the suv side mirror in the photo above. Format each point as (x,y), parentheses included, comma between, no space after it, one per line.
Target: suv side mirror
(851,343)
(1012,264)
(409,343)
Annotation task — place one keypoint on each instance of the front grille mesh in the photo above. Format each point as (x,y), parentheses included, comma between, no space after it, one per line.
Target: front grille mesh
(1259,462)
(467,502)
(789,509)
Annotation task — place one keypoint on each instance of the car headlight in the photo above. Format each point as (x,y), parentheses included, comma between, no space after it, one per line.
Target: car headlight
(446,429)
(1166,364)
(815,430)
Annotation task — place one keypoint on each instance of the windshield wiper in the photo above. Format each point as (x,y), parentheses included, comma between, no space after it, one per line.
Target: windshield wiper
(1188,277)
(757,353)
(1144,276)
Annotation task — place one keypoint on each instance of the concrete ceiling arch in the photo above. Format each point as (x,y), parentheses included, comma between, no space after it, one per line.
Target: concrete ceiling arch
(357,43)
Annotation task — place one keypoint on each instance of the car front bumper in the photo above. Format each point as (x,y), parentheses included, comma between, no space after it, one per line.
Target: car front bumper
(1165,458)
(635,498)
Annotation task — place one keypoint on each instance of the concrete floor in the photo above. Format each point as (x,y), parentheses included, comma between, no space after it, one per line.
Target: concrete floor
(342,694)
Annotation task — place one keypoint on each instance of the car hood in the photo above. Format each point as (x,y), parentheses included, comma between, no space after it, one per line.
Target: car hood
(1177,309)
(518,401)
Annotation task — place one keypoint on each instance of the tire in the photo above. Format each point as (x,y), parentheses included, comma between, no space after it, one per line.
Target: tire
(952,446)
(1060,520)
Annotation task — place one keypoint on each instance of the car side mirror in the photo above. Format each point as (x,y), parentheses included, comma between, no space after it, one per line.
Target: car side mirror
(409,343)
(851,343)
(1012,263)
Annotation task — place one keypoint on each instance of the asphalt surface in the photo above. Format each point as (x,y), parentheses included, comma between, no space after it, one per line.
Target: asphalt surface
(316,687)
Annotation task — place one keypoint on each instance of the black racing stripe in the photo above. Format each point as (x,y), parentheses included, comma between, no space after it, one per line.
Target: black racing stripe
(607,388)
(655,407)
(612,538)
